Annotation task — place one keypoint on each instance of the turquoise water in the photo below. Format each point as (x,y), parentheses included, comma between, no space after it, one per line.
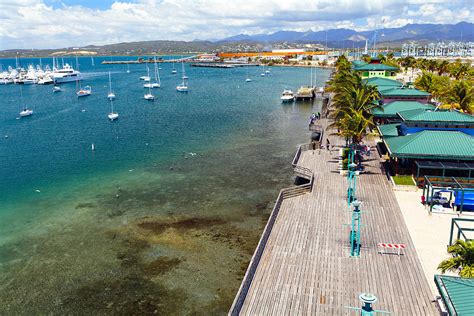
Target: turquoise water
(164,215)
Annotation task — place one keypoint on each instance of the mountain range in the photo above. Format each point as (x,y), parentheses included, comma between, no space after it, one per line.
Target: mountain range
(334,38)
(411,32)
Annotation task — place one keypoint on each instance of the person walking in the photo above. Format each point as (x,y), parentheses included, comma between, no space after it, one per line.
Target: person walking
(328,144)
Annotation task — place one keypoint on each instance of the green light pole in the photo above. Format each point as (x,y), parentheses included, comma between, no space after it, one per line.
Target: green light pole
(352,183)
(367,300)
(355,229)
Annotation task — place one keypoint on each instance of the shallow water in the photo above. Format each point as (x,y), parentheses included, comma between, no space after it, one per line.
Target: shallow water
(164,215)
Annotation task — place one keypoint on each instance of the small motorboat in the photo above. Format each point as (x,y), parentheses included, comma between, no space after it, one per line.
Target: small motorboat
(287,96)
(57,89)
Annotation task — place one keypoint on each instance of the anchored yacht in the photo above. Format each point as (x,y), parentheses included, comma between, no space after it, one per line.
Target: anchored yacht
(66,74)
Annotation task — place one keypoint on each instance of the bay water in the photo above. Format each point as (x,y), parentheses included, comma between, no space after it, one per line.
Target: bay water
(164,215)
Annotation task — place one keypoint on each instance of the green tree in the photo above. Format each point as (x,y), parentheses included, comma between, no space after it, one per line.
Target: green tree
(462,257)
(460,94)
(458,70)
(442,67)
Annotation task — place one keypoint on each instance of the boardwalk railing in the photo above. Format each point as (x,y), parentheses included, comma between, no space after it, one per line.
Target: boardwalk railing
(286,193)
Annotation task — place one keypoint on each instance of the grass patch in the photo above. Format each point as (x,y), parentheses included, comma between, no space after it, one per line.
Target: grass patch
(403,180)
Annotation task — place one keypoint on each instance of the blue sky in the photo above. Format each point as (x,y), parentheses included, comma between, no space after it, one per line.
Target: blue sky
(72,23)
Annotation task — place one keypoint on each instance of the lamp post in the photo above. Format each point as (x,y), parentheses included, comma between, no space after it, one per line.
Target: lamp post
(352,183)
(355,229)
(367,300)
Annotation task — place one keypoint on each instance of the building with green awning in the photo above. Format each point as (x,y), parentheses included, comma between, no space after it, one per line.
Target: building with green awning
(457,294)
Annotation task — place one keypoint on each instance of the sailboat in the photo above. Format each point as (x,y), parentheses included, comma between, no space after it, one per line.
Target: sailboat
(25,111)
(149,96)
(128,68)
(112,115)
(81,92)
(248,78)
(263,71)
(111,94)
(174,70)
(92,61)
(183,87)
(147,77)
(157,83)
(84,92)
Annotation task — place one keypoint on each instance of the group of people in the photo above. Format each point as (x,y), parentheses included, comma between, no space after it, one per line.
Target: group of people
(314,117)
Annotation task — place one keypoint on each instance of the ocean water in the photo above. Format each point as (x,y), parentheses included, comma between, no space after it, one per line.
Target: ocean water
(163,217)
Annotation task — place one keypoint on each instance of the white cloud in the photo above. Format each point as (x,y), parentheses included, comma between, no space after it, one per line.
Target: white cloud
(33,24)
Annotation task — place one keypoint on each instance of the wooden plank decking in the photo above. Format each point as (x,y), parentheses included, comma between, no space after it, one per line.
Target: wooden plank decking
(305,267)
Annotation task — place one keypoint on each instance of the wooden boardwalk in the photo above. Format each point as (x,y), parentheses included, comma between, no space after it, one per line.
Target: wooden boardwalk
(305,266)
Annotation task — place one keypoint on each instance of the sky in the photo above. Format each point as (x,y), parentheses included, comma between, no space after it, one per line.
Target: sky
(75,23)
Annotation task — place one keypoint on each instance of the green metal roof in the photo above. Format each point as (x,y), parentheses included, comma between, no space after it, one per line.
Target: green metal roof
(409,92)
(423,115)
(457,294)
(391,109)
(358,63)
(430,144)
(388,130)
(374,67)
(383,82)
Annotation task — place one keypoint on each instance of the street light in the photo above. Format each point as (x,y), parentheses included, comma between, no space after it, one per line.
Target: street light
(355,229)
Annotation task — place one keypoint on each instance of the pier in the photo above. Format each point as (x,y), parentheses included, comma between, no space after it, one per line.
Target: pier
(302,264)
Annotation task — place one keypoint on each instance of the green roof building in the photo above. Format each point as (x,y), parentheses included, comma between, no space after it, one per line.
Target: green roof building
(457,294)
(420,117)
(429,144)
(389,130)
(390,110)
(404,94)
(375,69)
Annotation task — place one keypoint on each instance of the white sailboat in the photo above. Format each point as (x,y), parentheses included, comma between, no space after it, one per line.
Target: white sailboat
(149,96)
(157,83)
(263,71)
(128,68)
(248,78)
(25,111)
(112,115)
(81,92)
(147,77)
(183,87)
(84,92)
(111,94)
(174,70)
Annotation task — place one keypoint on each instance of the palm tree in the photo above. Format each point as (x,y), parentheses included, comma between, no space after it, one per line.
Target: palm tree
(458,69)
(461,93)
(352,125)
(462,253)
(355,95)
(425,82)
(442,67)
